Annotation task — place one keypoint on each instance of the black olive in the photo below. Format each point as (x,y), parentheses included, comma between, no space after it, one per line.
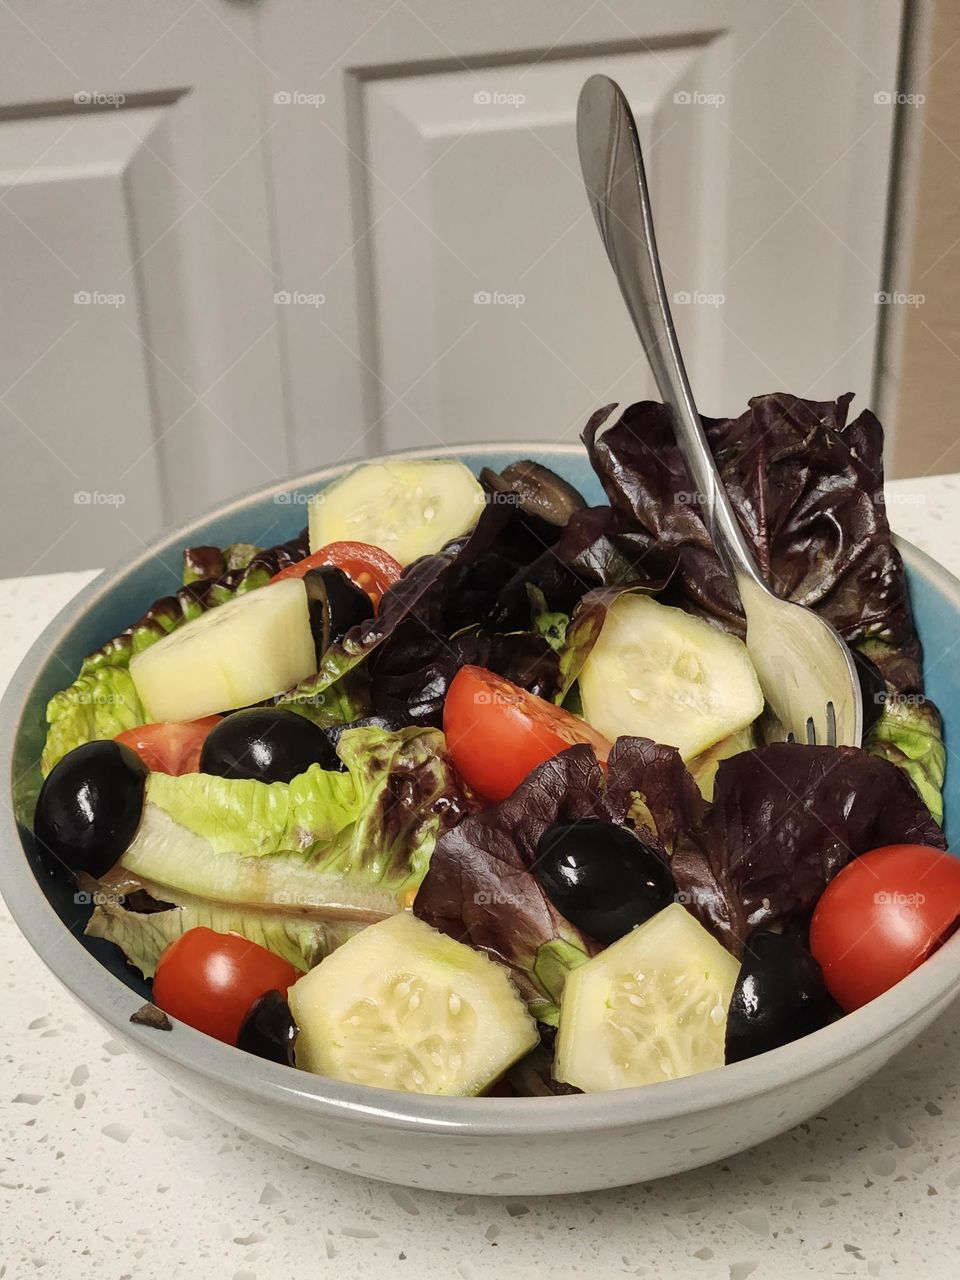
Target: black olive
(536,489)
(873,689)
(602,877)
(779,997)
(268,744)
(269,1030)
(89,806)
(336,605)
(392,724)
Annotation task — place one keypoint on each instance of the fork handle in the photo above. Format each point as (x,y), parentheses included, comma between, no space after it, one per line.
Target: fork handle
(612,164)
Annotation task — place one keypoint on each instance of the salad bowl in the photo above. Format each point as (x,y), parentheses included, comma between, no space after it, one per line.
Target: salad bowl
(489,1145)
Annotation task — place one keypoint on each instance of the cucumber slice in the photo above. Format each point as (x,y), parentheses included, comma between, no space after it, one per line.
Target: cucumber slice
(657,672)
(651,1007)
(408,508)
(401,1006)
(241,652)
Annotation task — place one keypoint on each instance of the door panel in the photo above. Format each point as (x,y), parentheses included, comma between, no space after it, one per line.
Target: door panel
(467,268)
(132,145)
(450,137)
(79,426)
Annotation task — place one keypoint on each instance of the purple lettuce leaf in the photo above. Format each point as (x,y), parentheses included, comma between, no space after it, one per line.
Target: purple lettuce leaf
(480,887)
(807,488)
(784,820)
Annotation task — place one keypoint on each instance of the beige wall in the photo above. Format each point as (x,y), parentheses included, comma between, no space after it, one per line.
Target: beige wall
(928,409)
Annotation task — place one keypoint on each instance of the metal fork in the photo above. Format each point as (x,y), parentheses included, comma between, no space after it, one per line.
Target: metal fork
(805,670)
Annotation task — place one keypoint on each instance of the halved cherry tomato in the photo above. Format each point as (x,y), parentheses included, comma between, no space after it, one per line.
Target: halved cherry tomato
(209,980)
(371,568)
(497,732)
(170,747)
(881,917)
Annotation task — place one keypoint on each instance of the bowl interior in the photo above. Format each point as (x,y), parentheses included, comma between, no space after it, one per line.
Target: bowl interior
(274,515)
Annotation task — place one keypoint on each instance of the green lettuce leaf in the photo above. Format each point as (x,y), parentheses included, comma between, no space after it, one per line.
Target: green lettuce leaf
(240,815)
(311,697)
(909,733)
(239,555)
(552,962)
(99,704)
(551,625)
(340,702)
(352,845)
(201,563)
(102,701)
(142,936)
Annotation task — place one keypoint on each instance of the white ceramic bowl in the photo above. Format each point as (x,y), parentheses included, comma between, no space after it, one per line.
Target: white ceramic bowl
(526,1146)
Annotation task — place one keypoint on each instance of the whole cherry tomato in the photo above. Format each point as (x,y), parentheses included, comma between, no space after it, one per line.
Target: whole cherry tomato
(210,980)
(882,916)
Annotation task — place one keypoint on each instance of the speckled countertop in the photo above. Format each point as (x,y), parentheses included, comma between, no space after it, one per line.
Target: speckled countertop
(106,1171)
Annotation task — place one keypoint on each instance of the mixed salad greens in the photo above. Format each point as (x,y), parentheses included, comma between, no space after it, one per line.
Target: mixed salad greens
(462,790)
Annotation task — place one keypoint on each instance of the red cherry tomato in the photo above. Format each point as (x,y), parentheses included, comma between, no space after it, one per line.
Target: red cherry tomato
(209,980)
(881,917)
(372,569)
(497,732)
(170,747)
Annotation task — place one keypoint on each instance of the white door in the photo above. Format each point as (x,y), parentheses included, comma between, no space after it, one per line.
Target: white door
(338,228)
(427,184)
(140,365)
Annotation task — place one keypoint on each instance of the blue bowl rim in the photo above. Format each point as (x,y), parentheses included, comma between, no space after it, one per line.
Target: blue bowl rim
(224,1067)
